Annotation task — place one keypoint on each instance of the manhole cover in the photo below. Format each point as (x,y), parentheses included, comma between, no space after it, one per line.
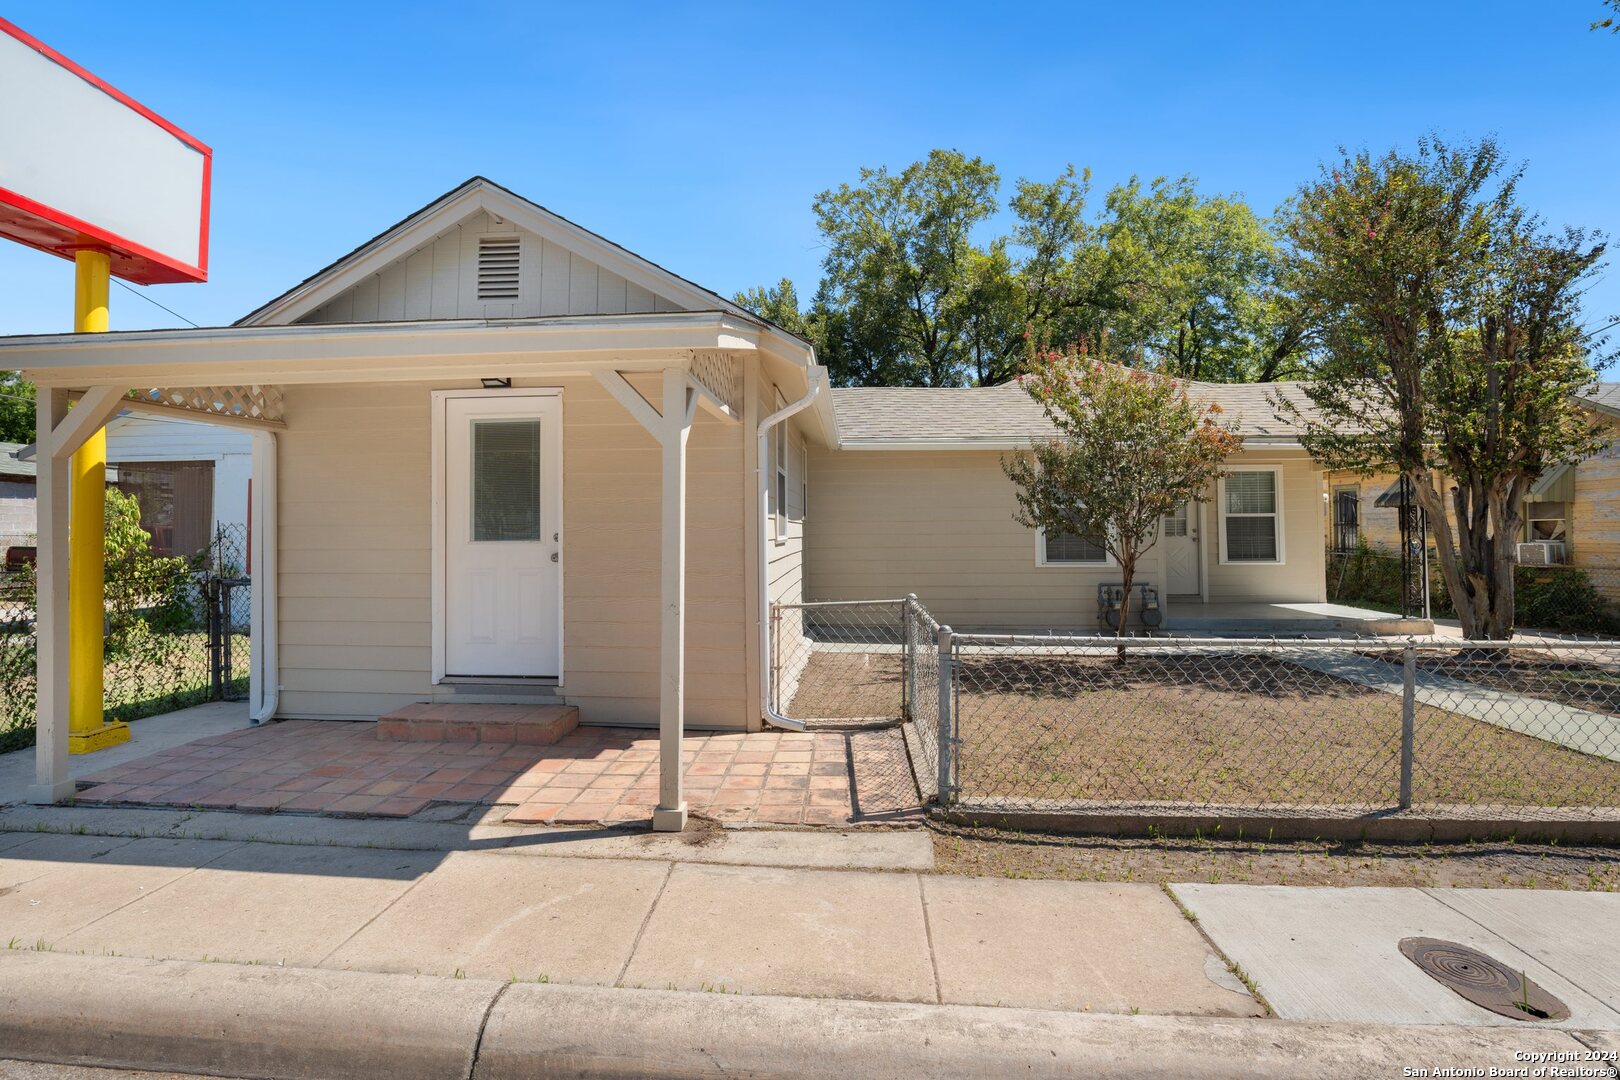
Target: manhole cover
(1482,980)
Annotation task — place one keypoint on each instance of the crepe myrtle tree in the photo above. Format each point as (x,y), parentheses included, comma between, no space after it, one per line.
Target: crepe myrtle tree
(1132,446)
(1451,348)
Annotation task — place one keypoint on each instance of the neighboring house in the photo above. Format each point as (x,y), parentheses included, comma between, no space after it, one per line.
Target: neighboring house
(1571,513)
(189,478)
(913,499)
(16,499)
(498,456)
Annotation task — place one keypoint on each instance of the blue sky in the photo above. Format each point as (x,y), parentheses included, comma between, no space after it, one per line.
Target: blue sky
(698,135)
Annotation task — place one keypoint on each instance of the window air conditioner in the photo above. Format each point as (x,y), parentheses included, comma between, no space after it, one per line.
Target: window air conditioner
(1541,553)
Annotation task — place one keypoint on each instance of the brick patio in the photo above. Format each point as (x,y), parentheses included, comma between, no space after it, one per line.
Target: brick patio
(592,775)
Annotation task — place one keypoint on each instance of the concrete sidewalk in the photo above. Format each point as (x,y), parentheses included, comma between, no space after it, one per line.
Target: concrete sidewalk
(671,916)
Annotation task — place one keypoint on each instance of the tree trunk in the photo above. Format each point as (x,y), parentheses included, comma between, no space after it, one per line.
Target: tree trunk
(1127,571)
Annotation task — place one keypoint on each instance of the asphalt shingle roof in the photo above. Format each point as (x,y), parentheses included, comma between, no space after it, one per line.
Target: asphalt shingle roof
(1006,412)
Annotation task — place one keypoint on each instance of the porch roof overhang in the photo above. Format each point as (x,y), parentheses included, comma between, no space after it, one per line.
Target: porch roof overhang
(389,352)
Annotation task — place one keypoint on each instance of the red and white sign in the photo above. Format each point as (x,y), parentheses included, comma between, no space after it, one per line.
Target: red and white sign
(83,165)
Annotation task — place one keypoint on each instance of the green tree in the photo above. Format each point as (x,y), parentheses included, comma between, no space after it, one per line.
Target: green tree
(901,255)
(1610,22)
(780,304)
(16,408)
(1132,447)
(1451,349)
(1188,284)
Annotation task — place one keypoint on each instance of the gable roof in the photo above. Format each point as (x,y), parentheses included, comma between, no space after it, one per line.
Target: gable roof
(1604,396)
(482,194)
(1005,417)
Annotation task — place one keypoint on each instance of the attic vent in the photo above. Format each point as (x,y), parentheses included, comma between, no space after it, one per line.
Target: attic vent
(498,267)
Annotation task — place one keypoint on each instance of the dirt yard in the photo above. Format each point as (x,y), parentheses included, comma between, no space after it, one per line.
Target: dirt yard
(1231,730)
(1239,730)
(995,853)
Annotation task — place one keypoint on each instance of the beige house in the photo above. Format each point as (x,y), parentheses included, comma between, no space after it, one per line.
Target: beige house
(1571,514)
(498,457)
(912,499)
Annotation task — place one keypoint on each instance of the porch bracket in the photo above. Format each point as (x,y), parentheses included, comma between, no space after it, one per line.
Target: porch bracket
(671,427)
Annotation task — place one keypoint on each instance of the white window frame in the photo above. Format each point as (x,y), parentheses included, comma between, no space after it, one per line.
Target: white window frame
(779,481)
(1068,564)
(1276,515)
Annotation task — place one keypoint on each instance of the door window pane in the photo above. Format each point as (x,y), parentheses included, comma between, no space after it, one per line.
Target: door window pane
(506,480)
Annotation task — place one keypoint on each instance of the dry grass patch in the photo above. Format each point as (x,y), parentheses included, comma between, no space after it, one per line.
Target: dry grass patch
(1238,730)
(987,852)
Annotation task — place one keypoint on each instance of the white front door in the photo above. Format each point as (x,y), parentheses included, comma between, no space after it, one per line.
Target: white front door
(1181,560)
(502,540)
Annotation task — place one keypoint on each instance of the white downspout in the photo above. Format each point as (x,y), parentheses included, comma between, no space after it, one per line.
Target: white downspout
(264,690)
(817,378)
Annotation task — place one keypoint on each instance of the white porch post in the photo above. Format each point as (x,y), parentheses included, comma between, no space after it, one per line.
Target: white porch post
(670,816)
(51,782)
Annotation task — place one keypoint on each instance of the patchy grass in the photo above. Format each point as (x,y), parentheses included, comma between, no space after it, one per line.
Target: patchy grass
(987,852)
(1238,730)
(848,684)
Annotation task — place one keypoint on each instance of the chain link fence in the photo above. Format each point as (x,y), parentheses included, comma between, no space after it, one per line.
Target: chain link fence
(176,634)
(1155,728)
(1297,728)
(869,669)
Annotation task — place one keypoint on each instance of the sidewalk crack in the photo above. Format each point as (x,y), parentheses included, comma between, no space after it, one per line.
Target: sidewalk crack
(379,913)
(1433,894)
(483,1025)
(642,929)
(928,932)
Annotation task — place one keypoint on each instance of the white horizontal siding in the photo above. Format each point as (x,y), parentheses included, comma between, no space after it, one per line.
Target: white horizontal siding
(356,549)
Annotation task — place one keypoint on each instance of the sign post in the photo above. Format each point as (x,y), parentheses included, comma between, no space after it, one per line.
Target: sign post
(88,728)
(89,174)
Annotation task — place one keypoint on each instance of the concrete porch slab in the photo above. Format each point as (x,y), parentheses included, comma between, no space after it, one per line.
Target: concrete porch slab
(497,917)
(1333,954)
(261,903)
(1074,945)
(809,933)
(867,849)
(478,722)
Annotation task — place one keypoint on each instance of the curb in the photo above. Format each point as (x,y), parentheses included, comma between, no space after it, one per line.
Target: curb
(306,1024)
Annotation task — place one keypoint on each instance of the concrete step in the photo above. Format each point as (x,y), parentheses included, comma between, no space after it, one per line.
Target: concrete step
(499,692)
(528,724)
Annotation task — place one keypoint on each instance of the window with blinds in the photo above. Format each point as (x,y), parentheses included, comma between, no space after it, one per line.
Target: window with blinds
(1073,548)
(1249,511)
(506,480)
(176,499)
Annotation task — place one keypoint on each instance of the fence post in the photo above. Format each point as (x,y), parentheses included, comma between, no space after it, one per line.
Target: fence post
(1408,720)
(947,681)
(776,657)
(908,657)
(216,686)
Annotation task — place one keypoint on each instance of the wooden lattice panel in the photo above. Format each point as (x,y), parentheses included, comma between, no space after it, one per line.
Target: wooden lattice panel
(243,402)
(721,375)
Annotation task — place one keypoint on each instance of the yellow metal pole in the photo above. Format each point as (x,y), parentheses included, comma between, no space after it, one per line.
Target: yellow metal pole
(87,726)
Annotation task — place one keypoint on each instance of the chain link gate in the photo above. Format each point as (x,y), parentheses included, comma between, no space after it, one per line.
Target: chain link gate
(226,586)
